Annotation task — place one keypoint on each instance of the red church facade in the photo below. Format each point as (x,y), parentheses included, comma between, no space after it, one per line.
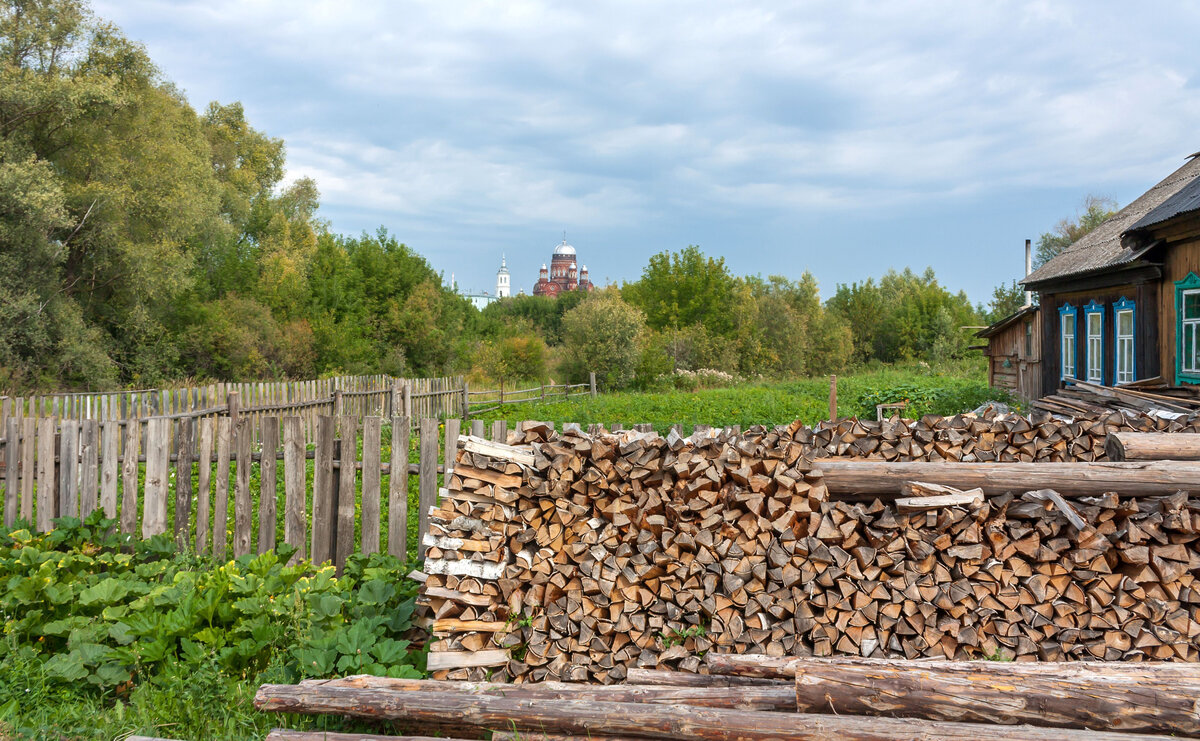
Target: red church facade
(563,273)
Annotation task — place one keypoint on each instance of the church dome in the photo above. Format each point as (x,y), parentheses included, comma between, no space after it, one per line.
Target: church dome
(564,249)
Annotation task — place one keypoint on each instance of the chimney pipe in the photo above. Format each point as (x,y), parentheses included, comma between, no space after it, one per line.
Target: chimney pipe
(1028,270)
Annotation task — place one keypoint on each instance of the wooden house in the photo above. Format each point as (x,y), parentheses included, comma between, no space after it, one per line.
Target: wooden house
(1123,302)
(1014,352)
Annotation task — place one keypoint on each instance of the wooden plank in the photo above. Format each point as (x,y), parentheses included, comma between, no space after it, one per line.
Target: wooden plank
(47,503)
(28,448)
(398,489)
(184,444)
(465,659)
(453,429)
(158,462)
(221,495)
(295,518)
(324,506)
(243,507)
(347,483)
(500,431)
(204,448)
(371,483)
(501,451)
(477,428)
(427,483)
(129,476)
(68,468)
(89,466)
(12,471)
(268,490)
(109,457)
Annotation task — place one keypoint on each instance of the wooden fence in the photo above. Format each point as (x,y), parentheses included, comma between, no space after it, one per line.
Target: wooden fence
(479,402)
(342,503)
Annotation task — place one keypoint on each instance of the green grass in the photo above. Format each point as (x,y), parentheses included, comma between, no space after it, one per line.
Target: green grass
(947,390)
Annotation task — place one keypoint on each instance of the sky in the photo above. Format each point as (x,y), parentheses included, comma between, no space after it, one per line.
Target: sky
(843,138)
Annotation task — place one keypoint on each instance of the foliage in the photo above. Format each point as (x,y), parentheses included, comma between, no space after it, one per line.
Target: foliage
(1006,301)
(1094,211)
(84,619)
(602,335)
(520,357)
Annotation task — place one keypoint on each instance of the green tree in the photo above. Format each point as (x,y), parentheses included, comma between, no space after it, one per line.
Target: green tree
(1094,212)
(1006,300)
(685,288)
(603,335)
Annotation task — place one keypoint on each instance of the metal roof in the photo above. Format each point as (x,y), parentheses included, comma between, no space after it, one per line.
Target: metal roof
(1103,247)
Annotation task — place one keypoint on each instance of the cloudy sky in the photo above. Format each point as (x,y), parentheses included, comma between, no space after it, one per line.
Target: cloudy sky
(840,137)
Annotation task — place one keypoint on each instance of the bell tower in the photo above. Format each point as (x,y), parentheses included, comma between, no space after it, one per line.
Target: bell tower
(502,286)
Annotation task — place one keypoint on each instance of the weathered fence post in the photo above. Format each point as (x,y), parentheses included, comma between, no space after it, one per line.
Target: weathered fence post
(394,407)
(242,506)
(295,519)
(129,476)
(477,427)
(833,398)
(543,392)
(183,480)
(337,402)
(398,490)
(592,382)
(268,484)
(12,434)
(158,470)
(233,404)
(466,400)
(203,481)
(406,411)
(502,396)
(323,490)
(427,483)
(347,478)
(371,478)
(453,427)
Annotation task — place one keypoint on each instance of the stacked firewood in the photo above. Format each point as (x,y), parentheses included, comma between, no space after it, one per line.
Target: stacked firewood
(582,556)
(983,438)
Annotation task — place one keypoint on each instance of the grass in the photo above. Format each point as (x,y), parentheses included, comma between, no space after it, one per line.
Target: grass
(947,390)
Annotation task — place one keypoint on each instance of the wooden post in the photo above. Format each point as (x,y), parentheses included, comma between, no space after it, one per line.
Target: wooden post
(89,469)
(502,396)
(221,496)
(406,410)
(466,400)
(109,460)
(477,427)
(453,427)
(242,506)
(398,490)
(324,503)
(427,484)
(183,481)
(12,434)
(833,413)
(295,520)
(592,382)
(347,479)
(28,442)
(371,483)
(68,469)
(232,405)
(46,500)
(158,462)
(500,431)
(543,392)
(396,398)
(337,402)
(204,481)
(129,476)
(268,487)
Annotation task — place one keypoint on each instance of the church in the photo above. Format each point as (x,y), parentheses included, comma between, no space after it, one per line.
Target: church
(563,273)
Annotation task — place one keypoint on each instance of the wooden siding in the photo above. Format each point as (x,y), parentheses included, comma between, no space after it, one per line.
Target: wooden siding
(1180,258)
(1010,365)
(1146,332)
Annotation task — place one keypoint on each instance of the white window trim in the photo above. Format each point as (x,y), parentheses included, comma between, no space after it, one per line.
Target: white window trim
(1068,358)
(1123,373)
(1191,325)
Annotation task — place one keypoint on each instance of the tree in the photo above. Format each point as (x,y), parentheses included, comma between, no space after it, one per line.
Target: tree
(1094,212)
(602,334)
(1006,300)
(685,288)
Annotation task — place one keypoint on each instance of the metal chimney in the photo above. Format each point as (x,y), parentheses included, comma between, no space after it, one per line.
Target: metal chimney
(1028,269)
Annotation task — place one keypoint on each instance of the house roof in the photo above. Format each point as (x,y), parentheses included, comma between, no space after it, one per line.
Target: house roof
(1000,325)
(1103,247)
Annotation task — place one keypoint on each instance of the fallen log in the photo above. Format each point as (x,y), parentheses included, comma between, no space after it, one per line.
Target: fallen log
(1152,446)
(540,736)
(1077,696)
(284,734)
(785,667)
(640,720)
(669,678)
(883,480)
(774,696)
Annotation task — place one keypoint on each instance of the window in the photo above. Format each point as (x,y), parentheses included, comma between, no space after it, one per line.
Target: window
(1093,317)
(1187,329)
(1066,314)
(1123,316)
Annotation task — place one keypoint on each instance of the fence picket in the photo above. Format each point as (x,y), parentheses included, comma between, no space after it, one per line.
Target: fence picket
(294,485)
(28,443)
(453,426)
(68,469)
(203,481)
(12,457)
(242,506)
(184,442)
(45,475)
(109,456)
(427,484)
(221,495)
(371,480)
(89,466)
(398,490)
(323,492)
(268,484)
(158,462)
(347,475)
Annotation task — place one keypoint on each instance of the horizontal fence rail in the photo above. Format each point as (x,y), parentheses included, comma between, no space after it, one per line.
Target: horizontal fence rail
(238,486)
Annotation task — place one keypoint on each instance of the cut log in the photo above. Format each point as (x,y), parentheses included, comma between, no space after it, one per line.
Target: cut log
(884,480)
(1077,695)
(462,659)
(643,721)
(283,734)
(668,678)
(1152,446)
(779,696)
(772,667)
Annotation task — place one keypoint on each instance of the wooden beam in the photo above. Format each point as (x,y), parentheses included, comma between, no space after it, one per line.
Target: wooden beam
(1152,446)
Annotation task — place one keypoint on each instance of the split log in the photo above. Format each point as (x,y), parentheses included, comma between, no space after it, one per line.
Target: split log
(884,480)
(775,696)
(1078,695)
(642,721)
(669,678)
(1152,446)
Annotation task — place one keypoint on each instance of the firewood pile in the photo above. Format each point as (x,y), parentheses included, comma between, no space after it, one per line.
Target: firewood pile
(755,698)
(583,557)
(1152,397)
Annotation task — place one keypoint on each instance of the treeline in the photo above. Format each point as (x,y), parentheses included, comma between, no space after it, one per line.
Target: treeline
(142,242)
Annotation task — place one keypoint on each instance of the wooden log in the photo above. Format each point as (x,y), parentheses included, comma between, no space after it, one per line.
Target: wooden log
(1152,446)
(1066,695)
(295,521)
(641,720)
(785,667)
(268,485)
(398,489)
(462,659)
(283,734)
(158,462)
(774,696)
(541,736)
(884,480)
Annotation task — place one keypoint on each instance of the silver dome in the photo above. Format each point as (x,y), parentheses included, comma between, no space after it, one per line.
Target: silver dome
(564,249)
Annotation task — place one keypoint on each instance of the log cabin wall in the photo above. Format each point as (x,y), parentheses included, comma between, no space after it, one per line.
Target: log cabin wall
(1145,294)
(1014,357)
(1181,256)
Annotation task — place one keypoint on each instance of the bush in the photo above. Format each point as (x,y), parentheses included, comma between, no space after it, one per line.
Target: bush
(603,334)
